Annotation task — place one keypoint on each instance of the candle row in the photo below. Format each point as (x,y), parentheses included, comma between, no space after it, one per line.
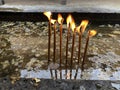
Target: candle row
(70,26)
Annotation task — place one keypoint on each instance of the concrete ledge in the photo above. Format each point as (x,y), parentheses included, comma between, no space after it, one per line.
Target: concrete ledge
(90,6)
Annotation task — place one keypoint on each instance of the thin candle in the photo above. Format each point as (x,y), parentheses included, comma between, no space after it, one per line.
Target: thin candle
(80,30)
(76,73)
(70,72)
(91,33)
(60,73)
(68,20)
(51,73)
(55,73)
(60,21)
(54,48)
(49,15)
(73,43)
(79,44)
(73,40)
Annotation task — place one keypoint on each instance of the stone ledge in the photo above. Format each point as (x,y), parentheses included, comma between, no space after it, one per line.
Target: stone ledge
(92,6)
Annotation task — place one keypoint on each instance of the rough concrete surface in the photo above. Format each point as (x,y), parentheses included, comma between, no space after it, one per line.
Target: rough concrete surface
(47,84)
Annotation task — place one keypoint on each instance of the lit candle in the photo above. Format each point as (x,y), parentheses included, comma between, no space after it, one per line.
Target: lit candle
(68,20)
(54,48)
(73,40)
(91,33)
(49,14)
(60,21)
(80,30)
(73,43)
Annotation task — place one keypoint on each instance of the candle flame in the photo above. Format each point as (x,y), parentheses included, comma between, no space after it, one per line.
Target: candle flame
(72,24)
(60,19)
(84,24)
(48,14)
(69,19)
(78,29)
(92,33)
(53,21)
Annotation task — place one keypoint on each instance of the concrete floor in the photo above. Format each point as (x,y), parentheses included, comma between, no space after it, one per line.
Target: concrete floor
(97,6)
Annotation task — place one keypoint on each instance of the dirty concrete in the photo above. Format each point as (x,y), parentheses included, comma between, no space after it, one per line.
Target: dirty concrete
(22,48)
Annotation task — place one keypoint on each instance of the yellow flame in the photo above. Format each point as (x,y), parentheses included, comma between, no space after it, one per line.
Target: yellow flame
(60,19)
(78,29)
(53,21)
(69,19)
(92,33)
(48,14)
(72,24)
(84,24)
